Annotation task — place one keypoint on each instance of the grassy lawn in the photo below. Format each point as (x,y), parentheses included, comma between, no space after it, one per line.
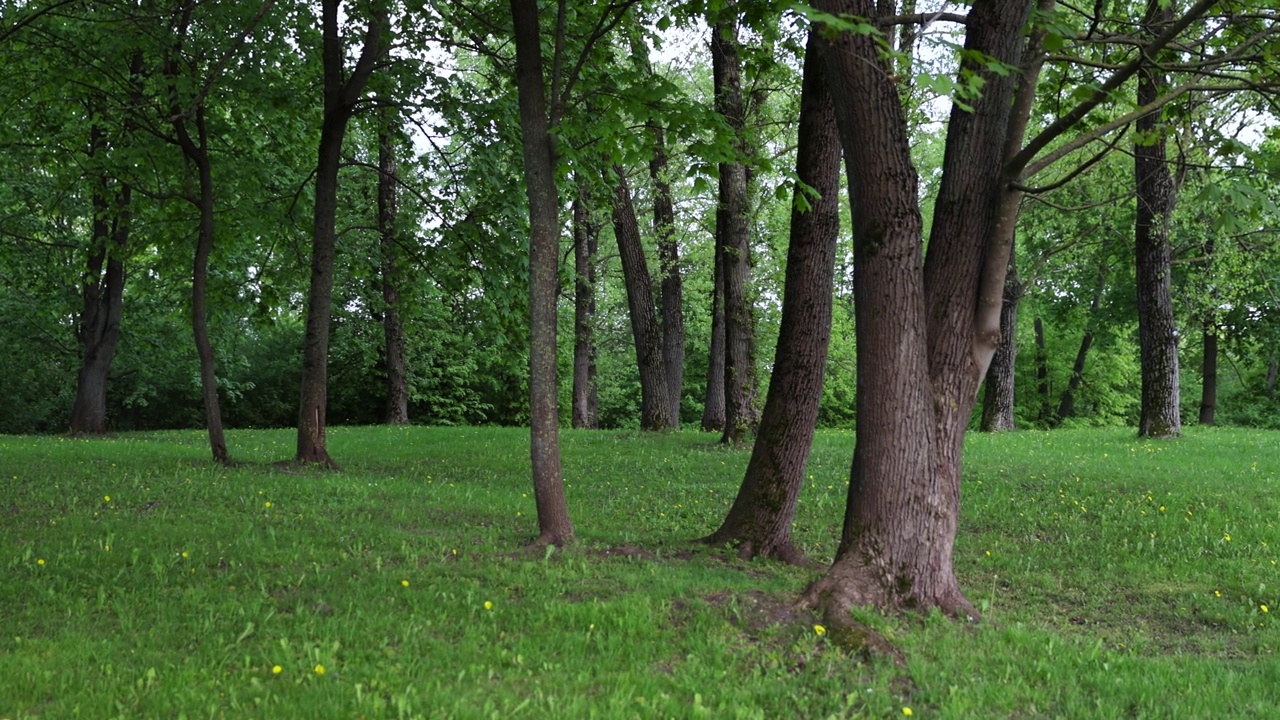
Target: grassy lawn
(1118,578)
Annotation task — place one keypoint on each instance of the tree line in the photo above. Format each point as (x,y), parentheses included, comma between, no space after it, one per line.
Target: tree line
(299,213)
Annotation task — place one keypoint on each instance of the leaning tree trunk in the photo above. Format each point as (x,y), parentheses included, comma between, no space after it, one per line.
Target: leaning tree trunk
(1067,405)
(554,527)
(1157,329)
(759,523)
(733,245)
(713,406)
(655,403)
(102,297)
(998,399)
(664,224)
(925,331)
(1209,374)
(396,410)
(586,236)
(341,94)
(1045,415)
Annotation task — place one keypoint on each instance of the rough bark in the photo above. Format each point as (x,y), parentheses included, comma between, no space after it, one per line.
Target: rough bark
(554,527)
(586,236)
(998,399)
(713,410)
(733,245)
(1209,374)
(664,224)
(926,327)
(341,94)
(102,297)
(759,522)
(396,410)
(655,402)
(1157,328)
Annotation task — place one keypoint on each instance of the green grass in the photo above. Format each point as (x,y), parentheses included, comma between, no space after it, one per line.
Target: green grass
(1118,578)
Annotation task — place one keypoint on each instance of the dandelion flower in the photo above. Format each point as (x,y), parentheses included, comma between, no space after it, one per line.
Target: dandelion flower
(266,504)
(107,498)
(1265,609)
(819,630)
(319,669)
(488,605)
(277,670)
(404,583)
(186,554)
(906,711)
(40,561)
(1217,593)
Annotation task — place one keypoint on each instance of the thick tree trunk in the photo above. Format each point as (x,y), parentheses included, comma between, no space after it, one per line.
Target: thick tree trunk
(655,403)
(198,153)
(664,225)
(586,236)
(734,246)
(713,410)
(1157,329)
(396,411)
(1042,373)
(759,523)
(554,527)
(925,331)
(102,295)
(340,98)
(998,400)
(1209,374)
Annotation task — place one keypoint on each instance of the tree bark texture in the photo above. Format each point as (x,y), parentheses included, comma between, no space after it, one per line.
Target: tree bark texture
(655,403)
(341,94)
(1157,329)
(586,238)
(998,399)
(102,298)
(664,224)
(713,410)
(554,527)
(198,153)
(396,411)
(733,236)
(1209,374)
(759,522)
(926,327)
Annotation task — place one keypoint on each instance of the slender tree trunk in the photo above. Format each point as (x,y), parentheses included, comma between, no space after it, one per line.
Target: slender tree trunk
(713,410)
(544,240)
(396,411)
(1271,378)
(198,153)
(926,328)
(998,400)
(1067,405)
(1042,373)
(102,295)
(664,224)
(655,404)
(1209,374)
(734,246)
(1157,329)
(586,236)
(340,99)
(759,522)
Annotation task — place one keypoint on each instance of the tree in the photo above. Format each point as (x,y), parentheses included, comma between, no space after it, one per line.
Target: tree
(342,95)
(759,522)
(586,238)
(397,407)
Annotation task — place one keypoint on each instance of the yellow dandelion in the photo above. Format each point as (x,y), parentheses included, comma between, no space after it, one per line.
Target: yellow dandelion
(488,605)
(40,561)
(107,498)
(404,583)
(276,670)
(1227,537)
(1217,593)
(906,711)
(319,669)
(266,504)
(186,554)
(1265,609)
(819,630)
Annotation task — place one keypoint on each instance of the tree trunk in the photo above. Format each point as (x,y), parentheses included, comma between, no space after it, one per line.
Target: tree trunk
(1271,379)
(396,411)
(554,527)
(1042,373)
(733,245)
(713,410)
(102,295)
(586,236)
(655,403)
(198,153)
(340,99)
(664,224)
(1157,329)
(998,399)
(759,523)
(926,331)
(1067,405)
(1209,374)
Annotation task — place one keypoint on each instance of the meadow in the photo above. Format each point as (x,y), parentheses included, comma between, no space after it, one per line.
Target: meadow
(1117,578)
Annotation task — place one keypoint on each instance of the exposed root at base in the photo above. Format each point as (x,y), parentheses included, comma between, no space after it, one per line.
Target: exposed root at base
(747,549)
